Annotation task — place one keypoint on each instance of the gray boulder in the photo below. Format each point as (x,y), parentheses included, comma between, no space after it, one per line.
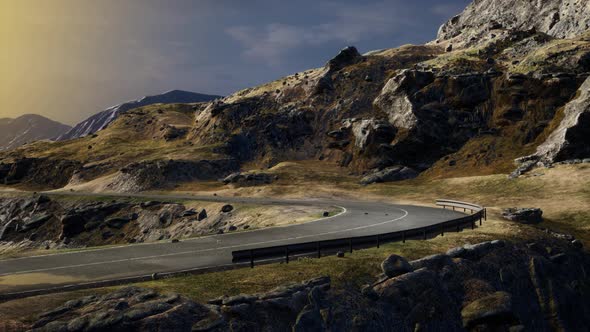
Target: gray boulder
(395,265)
(523,215)
(202,215)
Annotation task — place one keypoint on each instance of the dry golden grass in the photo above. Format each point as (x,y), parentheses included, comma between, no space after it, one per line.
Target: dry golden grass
(562,192)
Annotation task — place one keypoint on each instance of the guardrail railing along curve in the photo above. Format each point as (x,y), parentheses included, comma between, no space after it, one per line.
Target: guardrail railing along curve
(317,248)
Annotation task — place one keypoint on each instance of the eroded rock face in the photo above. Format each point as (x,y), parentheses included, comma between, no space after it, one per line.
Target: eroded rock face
(558,18)
(43,223)
(571,139)
(395,97)
(159,174)
(38,172)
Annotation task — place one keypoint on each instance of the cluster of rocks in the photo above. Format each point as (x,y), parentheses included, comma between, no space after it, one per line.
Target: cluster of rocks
(42,222)
(294,307)
(389,174)
(249,179)
(489,286)
(523,215)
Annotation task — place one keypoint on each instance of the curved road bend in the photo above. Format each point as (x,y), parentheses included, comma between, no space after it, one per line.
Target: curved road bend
(358,218)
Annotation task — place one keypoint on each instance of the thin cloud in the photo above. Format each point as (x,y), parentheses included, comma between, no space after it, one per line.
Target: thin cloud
(347,24)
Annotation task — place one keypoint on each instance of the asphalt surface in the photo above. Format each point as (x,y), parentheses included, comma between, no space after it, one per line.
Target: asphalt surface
(357,218)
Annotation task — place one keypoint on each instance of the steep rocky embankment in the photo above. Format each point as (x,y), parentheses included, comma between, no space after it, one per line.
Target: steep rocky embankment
(491,286)
(502,80)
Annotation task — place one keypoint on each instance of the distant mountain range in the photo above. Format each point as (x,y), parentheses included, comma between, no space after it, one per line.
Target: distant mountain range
(28,128)
(100,120)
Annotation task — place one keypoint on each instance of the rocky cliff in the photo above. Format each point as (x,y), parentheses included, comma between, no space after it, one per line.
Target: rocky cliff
(469,103)
(485,19)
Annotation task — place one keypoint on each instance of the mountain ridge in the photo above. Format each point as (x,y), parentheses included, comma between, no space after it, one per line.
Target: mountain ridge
(436,110)
(26,128)
(102,119)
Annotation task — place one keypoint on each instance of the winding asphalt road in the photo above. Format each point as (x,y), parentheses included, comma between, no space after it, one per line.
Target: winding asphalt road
(357,218)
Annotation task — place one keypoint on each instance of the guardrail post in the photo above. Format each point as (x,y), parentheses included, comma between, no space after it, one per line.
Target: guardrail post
(485,214)
(472,224)
(453,208)
(350,244)
(480,219)
(403,236)
(377,241)
(457,224)
(251,259)
(319,249)
(287,254)
(442,230)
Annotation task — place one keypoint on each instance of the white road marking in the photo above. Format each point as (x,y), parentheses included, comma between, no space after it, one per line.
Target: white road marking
(208,250)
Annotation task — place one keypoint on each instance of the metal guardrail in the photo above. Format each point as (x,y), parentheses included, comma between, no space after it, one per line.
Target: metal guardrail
(317,248)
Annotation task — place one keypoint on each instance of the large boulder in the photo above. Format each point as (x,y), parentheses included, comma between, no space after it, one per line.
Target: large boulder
(523,215)
(346,57)
(395,265)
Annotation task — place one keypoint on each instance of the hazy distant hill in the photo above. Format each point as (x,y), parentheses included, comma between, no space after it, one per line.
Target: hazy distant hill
(28,128)
(100,120)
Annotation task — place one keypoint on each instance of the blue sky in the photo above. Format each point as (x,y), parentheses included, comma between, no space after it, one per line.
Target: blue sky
(87,55)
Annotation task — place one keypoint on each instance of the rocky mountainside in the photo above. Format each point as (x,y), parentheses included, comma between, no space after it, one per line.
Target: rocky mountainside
(102,119)
(483,18)
(490,286)
(28,128)
(471,102)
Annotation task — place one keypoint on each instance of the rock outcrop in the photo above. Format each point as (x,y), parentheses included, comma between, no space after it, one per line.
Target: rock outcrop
(390,174)
(571,139)
(490,286)
(295,306)
(482,18)
(41,222)
(38,172)
(160,174)
(249,179)
(523,215)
